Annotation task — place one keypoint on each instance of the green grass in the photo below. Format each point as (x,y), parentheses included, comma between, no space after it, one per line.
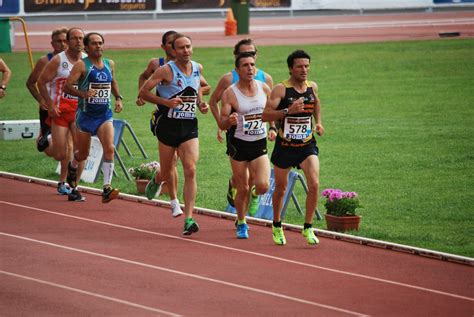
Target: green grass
(399,131)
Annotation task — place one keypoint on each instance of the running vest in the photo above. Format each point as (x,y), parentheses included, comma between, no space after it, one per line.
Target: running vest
(99,80)
(260,76)
(161,61)
(250,126)
(297,129)
(184,87)
(56,91)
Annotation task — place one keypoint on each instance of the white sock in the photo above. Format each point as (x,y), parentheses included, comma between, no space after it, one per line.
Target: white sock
(174,202)
(108,170)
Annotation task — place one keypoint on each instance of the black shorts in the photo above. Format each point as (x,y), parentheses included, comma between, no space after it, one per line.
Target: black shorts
(287,156)
(173,132)
(43,115)
(240,150)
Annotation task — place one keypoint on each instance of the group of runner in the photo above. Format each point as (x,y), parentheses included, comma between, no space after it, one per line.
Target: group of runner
(70,81)
(74,86)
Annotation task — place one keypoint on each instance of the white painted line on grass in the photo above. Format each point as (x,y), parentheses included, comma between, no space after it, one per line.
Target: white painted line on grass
(199,277)
(77,290)
(247,252)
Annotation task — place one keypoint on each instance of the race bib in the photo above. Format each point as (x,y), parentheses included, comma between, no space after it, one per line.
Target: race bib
(102,93)
(70,97)
(253,125)
(187,109)
(297,128)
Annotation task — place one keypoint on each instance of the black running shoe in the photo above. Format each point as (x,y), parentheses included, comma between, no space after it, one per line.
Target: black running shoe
(190,226)
(109,194)
(75,196)
(71,175)
(43,142)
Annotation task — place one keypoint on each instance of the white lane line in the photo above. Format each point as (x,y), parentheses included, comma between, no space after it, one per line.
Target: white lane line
(288,27)
(381,280)
(199,277)
(77,290)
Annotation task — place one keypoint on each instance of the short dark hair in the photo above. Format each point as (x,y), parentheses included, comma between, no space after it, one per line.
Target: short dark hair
(243,55)
(296,54)
(88,35)
(165,36)
(68,34)
(247,41)
(178,36)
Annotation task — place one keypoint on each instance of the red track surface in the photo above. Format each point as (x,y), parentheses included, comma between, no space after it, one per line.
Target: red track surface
(129,259)
(268,31)
(125,258)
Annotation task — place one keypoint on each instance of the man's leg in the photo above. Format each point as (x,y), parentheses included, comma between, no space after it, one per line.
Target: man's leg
(167,163)
(62,188)
(82,141)
(240,179)
(59,136)
(260,174)
(189,155)
(281,182)
(310,168)
(105,133)
(60,151)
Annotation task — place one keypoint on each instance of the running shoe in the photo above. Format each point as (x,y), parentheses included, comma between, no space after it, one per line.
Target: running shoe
(75,196)
(231,192)
(175,208)
(310,236)
(71,175)
(152,188)
(109,193)
(63,189)
(254,203)
(242,231)
(43,142)
(190,226)
(278,235)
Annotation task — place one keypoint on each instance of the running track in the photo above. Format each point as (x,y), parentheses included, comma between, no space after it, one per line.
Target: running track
(265,31)
(129,259)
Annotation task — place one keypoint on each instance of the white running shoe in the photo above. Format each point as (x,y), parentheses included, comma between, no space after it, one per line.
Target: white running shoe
(175,208)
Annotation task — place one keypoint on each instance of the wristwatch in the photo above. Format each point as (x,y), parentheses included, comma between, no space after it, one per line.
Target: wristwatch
(119,97)
(3,87)
(285,112)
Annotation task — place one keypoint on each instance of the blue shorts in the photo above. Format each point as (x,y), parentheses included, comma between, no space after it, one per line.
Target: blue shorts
(91,124)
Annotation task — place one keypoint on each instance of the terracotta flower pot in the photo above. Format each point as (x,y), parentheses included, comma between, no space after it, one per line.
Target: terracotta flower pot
(141,185)
(342,224)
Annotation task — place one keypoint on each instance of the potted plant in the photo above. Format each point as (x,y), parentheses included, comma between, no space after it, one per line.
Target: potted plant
(143,174)
(341,210)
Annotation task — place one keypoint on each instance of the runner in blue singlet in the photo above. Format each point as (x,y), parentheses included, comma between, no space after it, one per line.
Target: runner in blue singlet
(97,86)
(179,97)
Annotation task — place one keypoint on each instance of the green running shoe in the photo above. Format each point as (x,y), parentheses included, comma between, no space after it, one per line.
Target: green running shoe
(152,188)
(310,236)
(254,203)
(278,235)
(190,226)
(231,192)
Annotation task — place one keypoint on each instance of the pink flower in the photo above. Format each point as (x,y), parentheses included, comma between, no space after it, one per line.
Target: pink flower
(327,192)
(335,195)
